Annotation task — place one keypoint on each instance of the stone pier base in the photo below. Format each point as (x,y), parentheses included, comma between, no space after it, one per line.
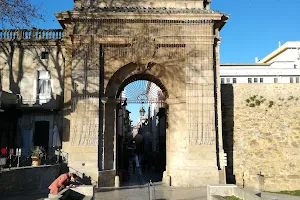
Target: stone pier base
(107,178)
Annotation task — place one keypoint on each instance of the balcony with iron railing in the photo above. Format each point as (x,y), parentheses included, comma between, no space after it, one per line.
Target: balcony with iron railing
(33,34)
(40,103)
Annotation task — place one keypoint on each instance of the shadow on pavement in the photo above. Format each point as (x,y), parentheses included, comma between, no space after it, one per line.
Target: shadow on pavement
(37,195)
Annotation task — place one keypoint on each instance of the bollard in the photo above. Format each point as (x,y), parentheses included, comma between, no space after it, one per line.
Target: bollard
(168,180)
(151,189)
(164,177)
(117,181)
(260,183)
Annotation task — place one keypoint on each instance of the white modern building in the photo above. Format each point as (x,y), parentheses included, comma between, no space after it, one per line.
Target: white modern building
(280,66)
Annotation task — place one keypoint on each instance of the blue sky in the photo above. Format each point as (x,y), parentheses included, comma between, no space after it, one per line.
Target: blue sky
(253,30)
(256,26)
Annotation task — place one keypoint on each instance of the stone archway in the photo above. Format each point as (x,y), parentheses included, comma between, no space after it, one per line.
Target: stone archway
(143,76)
(129,73)
(176,45)
(120,153)
(183,158)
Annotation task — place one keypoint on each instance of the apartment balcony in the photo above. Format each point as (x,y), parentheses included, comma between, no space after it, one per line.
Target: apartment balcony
(33,34)
(41,103)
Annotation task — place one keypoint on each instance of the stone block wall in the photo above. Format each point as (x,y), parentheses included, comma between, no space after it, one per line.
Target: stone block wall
(82,146)
(261,128)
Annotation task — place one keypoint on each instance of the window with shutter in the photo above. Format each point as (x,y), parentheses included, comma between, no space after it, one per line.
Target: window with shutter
(44,86)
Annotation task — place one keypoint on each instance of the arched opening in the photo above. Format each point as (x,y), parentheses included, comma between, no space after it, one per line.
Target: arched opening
(141,130)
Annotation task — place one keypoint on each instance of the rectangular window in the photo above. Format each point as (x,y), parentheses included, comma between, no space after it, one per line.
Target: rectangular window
(261,80)
(249,80)
(291,79)
(45,55)
(297,79)
(228,80)
(44,85)
(275,80)
(234,80)
(255,80)
(222,80)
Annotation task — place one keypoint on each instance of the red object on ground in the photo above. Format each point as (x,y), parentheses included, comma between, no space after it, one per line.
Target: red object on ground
(3,151)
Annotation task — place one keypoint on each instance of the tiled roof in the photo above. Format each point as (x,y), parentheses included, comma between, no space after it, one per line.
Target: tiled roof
(149,10)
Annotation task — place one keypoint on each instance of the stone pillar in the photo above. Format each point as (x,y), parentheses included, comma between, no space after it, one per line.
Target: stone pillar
(201,159)
(67,95)
(81,117)
(176,144)
(218,108)
(200,95)
(108,176)
(110,136)
(218,90)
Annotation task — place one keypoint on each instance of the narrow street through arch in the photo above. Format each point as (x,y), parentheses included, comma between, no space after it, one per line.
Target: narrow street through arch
(141,129)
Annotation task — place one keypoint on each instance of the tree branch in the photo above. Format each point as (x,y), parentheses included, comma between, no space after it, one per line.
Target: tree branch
(18,13)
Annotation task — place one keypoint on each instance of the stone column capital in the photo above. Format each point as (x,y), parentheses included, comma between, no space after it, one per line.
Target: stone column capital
(176,100)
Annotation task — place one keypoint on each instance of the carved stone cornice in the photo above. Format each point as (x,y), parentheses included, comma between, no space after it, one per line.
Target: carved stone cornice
(176,100)
(164,41)
(154,17)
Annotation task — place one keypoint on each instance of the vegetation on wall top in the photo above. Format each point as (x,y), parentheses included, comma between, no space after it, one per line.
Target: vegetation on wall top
(256,100)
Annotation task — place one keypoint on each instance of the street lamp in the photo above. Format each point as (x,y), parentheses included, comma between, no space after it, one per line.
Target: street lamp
(142,112)
(104,99)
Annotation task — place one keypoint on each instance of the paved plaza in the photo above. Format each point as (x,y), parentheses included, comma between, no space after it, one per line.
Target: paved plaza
(132,193)
(161,193)
(135,189)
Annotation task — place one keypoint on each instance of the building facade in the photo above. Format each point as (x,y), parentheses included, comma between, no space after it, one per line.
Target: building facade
(280,66)
(32,69)
(155,102)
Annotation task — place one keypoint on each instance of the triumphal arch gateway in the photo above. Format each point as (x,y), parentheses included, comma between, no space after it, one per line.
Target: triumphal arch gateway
(172,43)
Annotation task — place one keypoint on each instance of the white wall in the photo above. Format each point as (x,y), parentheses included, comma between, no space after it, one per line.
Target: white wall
(283,68)
(154,108)
(284,71)
(289,55)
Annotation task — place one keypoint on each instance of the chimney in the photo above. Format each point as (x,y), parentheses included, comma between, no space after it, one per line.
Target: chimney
(256,60)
